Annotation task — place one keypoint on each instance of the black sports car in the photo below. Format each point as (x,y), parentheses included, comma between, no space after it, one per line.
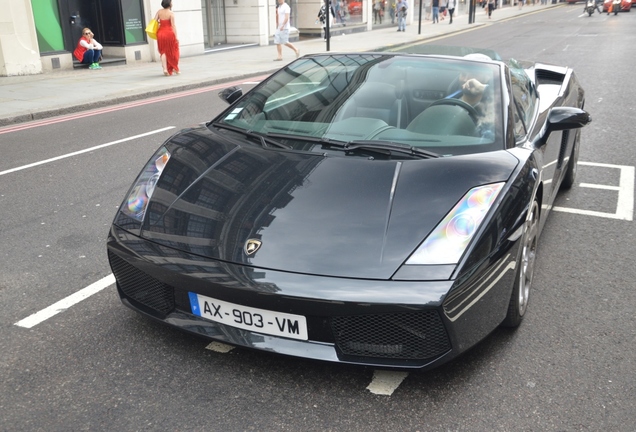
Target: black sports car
(371,208)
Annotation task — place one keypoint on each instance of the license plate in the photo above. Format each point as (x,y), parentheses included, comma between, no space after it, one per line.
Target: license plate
(248,318)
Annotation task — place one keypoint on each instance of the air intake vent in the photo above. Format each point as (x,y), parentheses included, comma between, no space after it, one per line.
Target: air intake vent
(140,287)
(404,336)
(549,77)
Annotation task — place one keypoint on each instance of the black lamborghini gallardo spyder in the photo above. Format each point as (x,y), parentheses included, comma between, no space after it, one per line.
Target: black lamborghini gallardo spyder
(371,208)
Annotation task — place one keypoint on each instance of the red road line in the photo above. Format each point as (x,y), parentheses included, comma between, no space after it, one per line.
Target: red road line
(69,117)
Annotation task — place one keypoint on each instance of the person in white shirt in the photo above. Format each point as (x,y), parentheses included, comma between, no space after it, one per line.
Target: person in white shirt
(451,9)
(322,17)
(281,35)
(88,50)
(402,8)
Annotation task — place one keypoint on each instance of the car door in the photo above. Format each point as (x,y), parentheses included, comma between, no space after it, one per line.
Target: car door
(528,120)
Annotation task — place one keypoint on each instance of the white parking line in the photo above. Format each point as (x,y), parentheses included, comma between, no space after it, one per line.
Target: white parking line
(625,189)
(385,382)
(598,186)
(23,167)
(66,303)
(219,347)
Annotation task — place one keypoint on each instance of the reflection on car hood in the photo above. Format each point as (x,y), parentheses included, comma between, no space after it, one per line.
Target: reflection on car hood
(326,215)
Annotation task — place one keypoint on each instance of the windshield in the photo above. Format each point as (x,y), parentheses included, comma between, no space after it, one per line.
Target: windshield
(443,105)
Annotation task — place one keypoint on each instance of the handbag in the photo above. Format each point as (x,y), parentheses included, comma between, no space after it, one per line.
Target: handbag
(152,28)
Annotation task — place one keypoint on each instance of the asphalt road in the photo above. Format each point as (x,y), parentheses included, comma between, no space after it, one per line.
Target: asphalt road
(98,366)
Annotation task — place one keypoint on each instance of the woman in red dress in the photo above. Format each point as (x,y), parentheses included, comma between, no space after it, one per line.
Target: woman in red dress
(167,39)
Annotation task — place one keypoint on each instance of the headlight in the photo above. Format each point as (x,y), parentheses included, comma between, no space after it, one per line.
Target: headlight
(137,202)
(449,239)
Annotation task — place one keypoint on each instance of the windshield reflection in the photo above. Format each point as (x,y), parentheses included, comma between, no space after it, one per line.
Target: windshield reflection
(446,105)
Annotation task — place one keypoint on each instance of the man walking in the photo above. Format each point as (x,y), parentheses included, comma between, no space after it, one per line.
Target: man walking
(451,9)
(402,6)
(491,7)
(281,36)
(435,11)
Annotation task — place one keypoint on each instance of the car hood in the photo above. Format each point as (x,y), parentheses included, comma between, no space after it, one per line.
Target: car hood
(346,216)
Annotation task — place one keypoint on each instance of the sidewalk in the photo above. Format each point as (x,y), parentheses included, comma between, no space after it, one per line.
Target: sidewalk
(26,98)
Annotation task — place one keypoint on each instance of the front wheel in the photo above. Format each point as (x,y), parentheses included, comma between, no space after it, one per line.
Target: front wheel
(525,269)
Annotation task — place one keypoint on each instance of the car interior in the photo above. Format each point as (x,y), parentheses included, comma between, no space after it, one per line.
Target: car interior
(405,100)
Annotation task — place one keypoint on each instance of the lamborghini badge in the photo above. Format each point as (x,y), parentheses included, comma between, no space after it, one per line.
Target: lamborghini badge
(251,246)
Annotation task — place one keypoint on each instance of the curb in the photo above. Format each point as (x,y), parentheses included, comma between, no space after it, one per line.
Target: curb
(40,115)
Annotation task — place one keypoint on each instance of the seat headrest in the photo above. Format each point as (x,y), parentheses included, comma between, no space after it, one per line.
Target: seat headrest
(375,95)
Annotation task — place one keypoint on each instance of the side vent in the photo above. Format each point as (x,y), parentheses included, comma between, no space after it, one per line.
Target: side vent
(549,77)
(564,145)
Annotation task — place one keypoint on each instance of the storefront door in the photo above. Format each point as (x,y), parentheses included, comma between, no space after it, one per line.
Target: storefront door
(103,17)
(213,12)
(74,16)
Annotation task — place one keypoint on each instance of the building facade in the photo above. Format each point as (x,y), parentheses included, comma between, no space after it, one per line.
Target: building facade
(40,35)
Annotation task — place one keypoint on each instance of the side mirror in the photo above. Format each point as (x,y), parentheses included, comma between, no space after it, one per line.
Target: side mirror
(562,118)
(568,118)
(231,94)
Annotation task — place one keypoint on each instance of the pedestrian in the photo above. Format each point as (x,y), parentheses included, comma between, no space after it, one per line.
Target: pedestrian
(427,8)
(596,6)
(435,11)
(491,7)
(402,8)
(392,10)
(377,15)
(336,9)
(322,17)
(344,12)
(167,41)
(451,9)
(88,50)
(281,36)
(442,9)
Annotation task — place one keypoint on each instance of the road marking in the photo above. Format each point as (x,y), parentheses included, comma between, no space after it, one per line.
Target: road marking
(385,382)
(625,189)
(66,303)
(97,111)
(219,347)
(597,186)
(12,170)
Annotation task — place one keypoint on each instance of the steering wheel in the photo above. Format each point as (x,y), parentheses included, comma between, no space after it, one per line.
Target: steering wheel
(460,103)
(453,86)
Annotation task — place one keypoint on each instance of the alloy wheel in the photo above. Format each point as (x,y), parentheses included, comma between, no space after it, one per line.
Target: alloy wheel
(528,256)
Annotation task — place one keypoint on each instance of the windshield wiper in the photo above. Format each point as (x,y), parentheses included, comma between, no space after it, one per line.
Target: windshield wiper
(298,138)
(389,146)
(264,140)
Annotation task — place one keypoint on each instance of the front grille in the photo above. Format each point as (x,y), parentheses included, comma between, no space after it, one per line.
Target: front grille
(141,287)
(404,336)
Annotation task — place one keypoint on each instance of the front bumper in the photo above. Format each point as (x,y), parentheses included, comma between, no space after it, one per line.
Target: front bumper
(370,322)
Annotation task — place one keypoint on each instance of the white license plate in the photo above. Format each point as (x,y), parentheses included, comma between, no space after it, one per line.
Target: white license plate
(248,318)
